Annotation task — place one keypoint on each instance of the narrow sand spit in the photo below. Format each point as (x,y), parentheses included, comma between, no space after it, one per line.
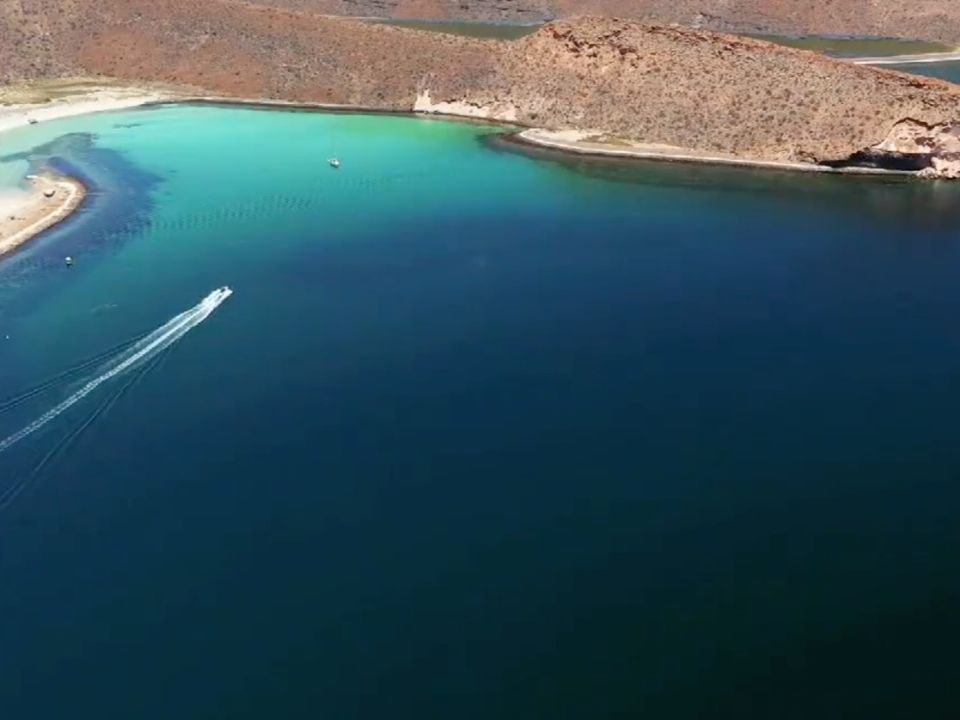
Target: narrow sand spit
(49,201)
(50,198)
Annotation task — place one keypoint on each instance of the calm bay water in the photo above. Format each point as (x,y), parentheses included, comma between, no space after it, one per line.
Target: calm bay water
(492,31)
(949,71)
(851,47)
(479,434)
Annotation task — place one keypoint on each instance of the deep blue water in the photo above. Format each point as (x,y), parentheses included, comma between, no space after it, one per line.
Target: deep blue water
(480,434)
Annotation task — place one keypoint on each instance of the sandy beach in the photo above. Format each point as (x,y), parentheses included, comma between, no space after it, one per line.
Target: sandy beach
(49,199)
(83,101)
(915,59)
(587,143)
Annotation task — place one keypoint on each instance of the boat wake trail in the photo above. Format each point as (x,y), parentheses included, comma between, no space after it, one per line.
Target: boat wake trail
(8,496)
(135,355)
(65,376)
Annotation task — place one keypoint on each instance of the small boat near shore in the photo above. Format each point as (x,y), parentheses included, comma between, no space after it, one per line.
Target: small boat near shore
(334,163)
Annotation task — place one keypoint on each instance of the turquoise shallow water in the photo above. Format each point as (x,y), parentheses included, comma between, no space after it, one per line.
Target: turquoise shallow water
(479,434)
(949,71)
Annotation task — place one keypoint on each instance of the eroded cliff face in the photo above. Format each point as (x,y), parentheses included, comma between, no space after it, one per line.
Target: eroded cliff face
(665,86)
(934,150)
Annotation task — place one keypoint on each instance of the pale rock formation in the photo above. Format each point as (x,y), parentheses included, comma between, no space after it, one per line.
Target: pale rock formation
(501,111)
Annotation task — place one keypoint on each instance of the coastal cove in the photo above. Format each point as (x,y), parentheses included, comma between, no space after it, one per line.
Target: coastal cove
(563,436)
(27,218)
(24,214)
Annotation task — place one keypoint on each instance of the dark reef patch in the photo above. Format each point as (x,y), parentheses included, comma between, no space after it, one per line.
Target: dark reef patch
(116,209)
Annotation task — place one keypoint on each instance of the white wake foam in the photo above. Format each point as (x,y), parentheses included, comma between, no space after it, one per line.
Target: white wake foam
(141,351)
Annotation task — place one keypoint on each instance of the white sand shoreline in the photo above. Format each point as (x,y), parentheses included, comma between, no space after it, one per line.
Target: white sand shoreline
(915,59)
(30,213)
(580,142)
(49,201)
(20,115)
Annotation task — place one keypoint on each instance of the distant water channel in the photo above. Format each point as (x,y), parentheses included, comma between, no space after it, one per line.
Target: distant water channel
(838,47)
(494,31)
(842,47)
(949,71)
(847,48)
(478,434)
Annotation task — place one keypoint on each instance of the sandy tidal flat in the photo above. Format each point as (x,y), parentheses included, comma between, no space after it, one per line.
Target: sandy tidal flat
(48,201)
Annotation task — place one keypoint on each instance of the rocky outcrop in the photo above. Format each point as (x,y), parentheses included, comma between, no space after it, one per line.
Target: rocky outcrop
(499,110)
(911,136)
(934,149)
(690,89)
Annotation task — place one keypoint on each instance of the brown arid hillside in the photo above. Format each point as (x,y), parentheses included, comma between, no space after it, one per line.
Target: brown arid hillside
(683,88)
(502,11)
(937,20)
(29,31)
(716,92)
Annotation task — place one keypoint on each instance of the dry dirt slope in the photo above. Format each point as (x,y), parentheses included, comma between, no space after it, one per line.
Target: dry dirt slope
(686,88)
(917,19)
(29,30)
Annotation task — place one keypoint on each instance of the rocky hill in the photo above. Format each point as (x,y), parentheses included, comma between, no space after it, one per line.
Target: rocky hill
(717,93)
(504,11)
(29,31)
(937,20)
(685,88)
